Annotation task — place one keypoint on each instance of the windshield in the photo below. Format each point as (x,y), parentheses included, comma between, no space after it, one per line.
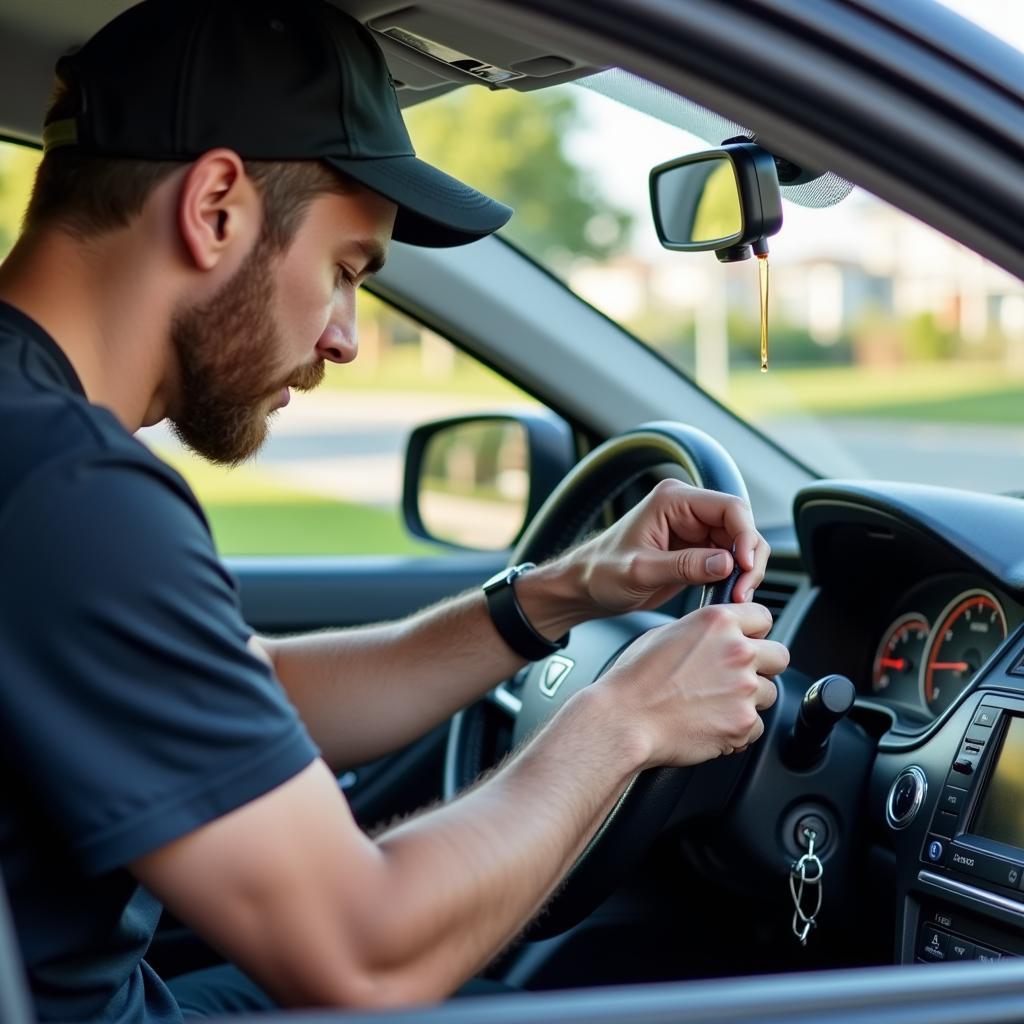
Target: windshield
(894,352)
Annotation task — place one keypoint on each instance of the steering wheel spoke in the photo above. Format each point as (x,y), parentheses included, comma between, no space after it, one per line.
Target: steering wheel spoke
(505,700)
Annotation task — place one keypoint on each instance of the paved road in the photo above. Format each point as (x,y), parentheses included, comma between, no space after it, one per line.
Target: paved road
(983,458)
(353,446)
(346,445)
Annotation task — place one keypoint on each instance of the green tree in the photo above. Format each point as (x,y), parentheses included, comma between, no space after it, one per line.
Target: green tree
(17,171)
(513,146)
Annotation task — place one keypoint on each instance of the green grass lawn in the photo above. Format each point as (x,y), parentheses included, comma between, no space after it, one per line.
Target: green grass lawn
(309,526)
(252,514)
(402,370)
(952,392)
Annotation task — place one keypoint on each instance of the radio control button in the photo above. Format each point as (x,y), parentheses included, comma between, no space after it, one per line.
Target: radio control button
(934,944)
(964,765)
(988,955)
(952,799)
(960,949)
(934,850)
(986,717)
(944,824)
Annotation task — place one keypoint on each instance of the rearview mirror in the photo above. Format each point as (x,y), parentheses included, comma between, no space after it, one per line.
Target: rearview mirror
(726,200)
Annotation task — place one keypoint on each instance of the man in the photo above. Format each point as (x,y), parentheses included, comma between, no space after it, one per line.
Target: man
(219,178)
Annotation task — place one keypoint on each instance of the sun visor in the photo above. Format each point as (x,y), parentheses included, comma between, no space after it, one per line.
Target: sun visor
(427,47)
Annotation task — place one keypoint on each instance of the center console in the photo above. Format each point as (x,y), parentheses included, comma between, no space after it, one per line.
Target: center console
(963,898)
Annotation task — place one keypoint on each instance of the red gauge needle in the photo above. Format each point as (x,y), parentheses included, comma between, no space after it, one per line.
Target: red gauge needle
(952,666)
(899,664)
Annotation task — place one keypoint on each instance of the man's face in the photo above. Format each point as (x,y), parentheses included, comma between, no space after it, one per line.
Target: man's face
(273,325)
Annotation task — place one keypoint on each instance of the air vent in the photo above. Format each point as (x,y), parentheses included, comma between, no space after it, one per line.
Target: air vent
(775,593)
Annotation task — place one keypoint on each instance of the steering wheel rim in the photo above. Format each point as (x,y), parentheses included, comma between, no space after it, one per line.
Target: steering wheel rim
(645,805)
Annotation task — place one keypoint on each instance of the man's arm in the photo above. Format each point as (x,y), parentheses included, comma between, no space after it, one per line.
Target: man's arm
(364,692)
(290,890)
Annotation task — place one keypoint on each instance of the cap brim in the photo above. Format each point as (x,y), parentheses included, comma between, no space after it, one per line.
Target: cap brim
(434,209)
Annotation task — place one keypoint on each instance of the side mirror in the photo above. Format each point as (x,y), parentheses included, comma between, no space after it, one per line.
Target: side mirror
(476,481)
(726,200)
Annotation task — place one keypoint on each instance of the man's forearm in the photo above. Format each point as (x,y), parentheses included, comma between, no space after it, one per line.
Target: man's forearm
(290,889)
(365,692)
(463,879)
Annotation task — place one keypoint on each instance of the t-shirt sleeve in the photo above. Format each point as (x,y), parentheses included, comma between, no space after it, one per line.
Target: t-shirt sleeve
(131,708)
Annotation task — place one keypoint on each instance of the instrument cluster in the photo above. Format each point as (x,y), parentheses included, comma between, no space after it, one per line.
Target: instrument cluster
(939,636)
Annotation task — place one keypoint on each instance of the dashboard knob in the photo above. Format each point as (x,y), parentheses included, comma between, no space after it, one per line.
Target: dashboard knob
(906,795)
(825,703)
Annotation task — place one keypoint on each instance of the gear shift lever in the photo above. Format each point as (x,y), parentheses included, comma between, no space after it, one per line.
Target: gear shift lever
(824,704)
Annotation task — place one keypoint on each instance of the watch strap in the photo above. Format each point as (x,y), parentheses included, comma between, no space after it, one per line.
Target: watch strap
(510,620)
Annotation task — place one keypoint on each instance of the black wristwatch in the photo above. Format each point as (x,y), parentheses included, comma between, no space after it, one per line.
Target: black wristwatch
(510,620)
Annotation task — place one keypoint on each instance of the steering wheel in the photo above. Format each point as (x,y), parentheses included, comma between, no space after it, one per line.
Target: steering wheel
(515,709)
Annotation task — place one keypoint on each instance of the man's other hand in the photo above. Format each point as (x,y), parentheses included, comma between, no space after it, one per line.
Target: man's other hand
(694,689)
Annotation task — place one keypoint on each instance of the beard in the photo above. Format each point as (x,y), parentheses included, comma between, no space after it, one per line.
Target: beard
(230,371)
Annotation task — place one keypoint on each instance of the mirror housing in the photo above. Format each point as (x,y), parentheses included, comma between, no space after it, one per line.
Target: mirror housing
(474,482)
(726,200)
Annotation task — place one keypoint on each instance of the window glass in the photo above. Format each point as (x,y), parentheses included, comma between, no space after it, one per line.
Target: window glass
(17,171)
(893,352)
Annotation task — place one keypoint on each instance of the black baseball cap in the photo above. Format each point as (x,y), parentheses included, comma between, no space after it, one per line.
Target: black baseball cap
(272,80)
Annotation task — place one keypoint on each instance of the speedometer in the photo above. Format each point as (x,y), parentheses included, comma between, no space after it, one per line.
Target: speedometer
(897,664)
(966,634)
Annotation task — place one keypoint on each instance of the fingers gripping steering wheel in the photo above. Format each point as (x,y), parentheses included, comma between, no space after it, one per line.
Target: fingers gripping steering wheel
(479,735)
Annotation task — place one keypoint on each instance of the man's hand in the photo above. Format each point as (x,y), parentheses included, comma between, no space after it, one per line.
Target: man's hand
(693,688)
(677,536)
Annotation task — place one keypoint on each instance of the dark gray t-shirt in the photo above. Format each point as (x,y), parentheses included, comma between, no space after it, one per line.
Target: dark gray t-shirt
(131,710)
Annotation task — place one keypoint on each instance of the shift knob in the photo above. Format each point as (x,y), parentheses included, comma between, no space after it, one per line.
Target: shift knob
(824,704)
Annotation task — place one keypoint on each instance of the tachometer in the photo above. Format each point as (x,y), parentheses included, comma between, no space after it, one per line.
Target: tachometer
(967,633)
(897,663)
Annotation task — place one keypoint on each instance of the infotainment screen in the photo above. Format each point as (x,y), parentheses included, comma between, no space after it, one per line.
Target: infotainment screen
(1001,815)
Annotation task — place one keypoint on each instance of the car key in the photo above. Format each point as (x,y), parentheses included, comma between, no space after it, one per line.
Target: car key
(806,873)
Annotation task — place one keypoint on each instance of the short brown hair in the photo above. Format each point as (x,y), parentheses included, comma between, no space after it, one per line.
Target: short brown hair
(90,195)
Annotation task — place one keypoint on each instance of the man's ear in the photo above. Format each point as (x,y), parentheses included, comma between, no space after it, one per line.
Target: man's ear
(218,209)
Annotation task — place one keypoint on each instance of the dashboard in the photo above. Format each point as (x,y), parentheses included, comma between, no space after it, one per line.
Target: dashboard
(916,591)
(917,595)
(937,637)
